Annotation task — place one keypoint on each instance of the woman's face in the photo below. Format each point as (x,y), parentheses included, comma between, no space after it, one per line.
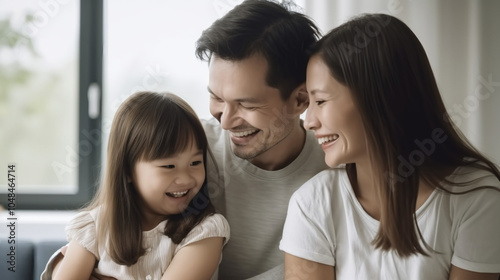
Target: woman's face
(333,116)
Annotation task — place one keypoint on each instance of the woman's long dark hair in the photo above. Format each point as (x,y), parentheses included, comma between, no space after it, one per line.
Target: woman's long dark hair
(410,135)
(147,126)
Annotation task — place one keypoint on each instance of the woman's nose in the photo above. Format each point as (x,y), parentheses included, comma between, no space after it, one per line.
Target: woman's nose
(311,122)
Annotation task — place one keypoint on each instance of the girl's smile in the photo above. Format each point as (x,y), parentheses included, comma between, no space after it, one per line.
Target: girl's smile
(167,185)
(177,194)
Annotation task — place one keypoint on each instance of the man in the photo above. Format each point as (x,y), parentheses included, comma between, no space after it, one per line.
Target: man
(257,64)
(257,67)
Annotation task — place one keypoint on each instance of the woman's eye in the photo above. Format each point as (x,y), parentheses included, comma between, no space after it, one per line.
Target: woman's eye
(319,102)
(195,163)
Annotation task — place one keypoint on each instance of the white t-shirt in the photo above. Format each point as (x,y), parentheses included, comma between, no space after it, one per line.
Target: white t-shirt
(327,224)
(254,201)
(160,249)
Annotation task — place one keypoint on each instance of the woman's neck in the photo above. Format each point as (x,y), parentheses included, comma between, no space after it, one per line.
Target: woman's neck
(363,184)
(365,189)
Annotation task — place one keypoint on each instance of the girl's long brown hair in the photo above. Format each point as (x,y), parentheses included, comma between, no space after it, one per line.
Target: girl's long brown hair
(147,126)
(387,70)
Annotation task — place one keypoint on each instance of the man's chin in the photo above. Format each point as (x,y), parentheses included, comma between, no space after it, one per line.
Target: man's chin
(245,152)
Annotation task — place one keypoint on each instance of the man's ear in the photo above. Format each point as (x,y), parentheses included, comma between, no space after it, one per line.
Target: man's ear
(300,98)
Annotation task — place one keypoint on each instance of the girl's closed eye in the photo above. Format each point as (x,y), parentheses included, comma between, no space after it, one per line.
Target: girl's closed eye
(319,102)
(196,163)
(168,166)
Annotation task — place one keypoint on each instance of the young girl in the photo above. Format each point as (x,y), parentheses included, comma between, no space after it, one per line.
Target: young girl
(152,217)
(408,197)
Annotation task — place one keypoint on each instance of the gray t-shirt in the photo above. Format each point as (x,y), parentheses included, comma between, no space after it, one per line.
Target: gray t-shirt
(254,201)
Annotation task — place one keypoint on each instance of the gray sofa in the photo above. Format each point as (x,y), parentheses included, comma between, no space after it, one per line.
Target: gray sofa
(30,258)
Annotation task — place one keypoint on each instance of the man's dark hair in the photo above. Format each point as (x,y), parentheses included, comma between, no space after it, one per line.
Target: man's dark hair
(267,28)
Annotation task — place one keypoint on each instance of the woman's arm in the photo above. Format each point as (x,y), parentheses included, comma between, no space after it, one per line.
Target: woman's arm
(196,261)
(457,273)
(77,264)
(302,269)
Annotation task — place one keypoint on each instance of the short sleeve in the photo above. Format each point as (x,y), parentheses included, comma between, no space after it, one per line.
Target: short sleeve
(477,244)
(82,229)
(212,226)
(304,235)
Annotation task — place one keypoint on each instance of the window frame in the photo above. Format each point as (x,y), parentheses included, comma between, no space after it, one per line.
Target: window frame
(90,73)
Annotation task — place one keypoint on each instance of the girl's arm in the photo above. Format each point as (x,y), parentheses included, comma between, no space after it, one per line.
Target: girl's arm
(457,273)
(302,269)
(196,261)
(78,263)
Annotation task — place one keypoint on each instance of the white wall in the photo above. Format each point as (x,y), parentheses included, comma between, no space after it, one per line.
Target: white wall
(35,225)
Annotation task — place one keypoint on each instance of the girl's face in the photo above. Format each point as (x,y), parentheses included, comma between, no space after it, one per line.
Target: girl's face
(167,185)
(333,116)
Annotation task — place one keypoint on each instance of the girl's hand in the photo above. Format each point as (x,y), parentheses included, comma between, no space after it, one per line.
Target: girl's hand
(96,276)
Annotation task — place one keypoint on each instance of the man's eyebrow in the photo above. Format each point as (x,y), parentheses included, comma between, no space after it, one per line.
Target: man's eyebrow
(212,93)
(240,100)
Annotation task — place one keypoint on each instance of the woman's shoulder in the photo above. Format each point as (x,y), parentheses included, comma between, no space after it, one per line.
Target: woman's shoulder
(468,178)
(472,189)
(323,186)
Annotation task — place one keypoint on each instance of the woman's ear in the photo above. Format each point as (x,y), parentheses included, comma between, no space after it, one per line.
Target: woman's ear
(300,98)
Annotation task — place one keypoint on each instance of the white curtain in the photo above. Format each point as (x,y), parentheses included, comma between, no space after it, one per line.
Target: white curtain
(462,41)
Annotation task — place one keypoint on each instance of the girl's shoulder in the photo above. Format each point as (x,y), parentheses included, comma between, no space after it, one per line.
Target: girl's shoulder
(214,225)
(82,228)
(83,218)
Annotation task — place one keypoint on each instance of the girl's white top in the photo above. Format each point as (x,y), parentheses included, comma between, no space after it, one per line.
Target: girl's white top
(160,249)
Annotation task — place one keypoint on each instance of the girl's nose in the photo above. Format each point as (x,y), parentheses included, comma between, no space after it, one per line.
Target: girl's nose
(184,178)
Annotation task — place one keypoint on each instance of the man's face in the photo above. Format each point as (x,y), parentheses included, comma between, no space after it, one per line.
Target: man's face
(253,112)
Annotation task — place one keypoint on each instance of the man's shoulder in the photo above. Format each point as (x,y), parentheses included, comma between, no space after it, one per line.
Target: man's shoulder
(213,131)
(211,126)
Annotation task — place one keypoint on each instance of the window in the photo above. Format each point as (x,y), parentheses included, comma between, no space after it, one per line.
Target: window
(50,66)
(66,66)
(150,45)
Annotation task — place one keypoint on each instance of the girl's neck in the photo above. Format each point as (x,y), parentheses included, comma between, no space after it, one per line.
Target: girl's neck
(150,222)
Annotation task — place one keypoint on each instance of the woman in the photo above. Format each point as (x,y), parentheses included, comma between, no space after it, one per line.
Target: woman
(408,197)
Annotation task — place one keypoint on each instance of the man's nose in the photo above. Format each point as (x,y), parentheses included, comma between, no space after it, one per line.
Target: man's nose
(227,117)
